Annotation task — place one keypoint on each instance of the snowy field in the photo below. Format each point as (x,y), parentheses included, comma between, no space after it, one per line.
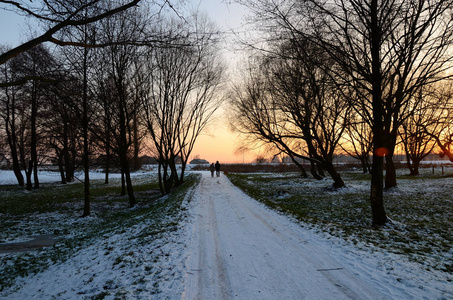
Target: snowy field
(209,241)
(7,177)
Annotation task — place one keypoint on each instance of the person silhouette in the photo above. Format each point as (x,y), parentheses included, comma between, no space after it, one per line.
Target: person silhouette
(217,168)
(212,169)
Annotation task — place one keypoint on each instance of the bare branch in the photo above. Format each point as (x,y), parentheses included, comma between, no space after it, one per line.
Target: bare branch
(48,35)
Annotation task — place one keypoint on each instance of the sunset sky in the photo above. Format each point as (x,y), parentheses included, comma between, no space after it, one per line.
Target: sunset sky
(218,142)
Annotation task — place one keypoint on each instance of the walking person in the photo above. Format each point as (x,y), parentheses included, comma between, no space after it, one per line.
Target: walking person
(212,169)
(217,168)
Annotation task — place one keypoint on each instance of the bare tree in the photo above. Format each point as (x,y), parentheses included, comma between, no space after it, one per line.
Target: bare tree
(61,125)
(122,68)
(81,62)
(35,63)
(256,117)
(358,140)
(9,113)
(310,101)
(445,141)
(181,98)
(430,120)
(73,24)
(104,119)
(118,38)
(299,103)
(57,17)
(388,50)
(430,126)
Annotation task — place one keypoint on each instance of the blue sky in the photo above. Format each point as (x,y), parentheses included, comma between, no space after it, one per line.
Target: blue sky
(11,26)
(227,16)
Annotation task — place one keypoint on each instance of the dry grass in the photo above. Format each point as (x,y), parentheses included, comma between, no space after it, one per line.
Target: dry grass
(420,210)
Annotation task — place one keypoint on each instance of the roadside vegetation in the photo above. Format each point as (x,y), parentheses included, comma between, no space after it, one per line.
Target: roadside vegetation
(420,210)
(55,210)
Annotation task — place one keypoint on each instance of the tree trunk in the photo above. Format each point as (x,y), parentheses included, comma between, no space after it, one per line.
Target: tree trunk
(320,169)
(181,176)
(123,147)
(28,172)
(86,161)
(390,170)
(337,180)
(13,150)
(136,141)
(107,161)
(161,181)
(173,178)
(377,191)
(108,131)
(66,154)
(25,163)
(34,140)
(377,170)
(415,168)
(17,172)
(314,172)
(364,168)
(86,185)
(10,129)
(70,166)
(107,169)
(123,183)
(130,189)
(301,168)
(168,180)
(61,168)
(409,164)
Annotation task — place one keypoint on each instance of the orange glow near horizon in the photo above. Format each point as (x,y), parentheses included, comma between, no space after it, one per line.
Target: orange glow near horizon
(218,143)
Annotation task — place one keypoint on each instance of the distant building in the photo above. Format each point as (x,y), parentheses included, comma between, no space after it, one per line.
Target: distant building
(198,161)
(148,160)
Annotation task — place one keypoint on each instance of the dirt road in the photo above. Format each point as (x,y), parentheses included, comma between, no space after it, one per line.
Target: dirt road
(242,250)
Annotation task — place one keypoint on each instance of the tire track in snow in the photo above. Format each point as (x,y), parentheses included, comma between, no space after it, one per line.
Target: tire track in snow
(207,269)
(242,250)
(221,270)
(298,246)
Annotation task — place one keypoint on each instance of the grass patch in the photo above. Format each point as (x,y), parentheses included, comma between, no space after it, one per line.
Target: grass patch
(56,209)
(420,210)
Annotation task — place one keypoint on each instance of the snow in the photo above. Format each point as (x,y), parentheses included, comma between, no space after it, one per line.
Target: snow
(242,250)
(228,246)
(7,177)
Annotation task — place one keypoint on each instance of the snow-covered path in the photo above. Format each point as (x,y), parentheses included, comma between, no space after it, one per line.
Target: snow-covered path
(226,246)
(242,250)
